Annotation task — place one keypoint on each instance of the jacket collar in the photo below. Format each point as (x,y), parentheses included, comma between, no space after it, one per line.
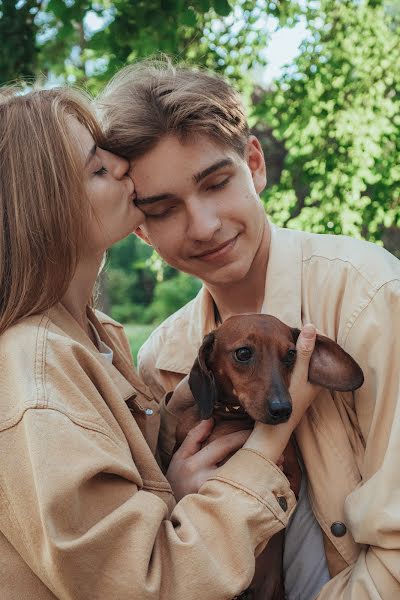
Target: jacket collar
(121,371)
(283,292)
(282,299)
(192,323)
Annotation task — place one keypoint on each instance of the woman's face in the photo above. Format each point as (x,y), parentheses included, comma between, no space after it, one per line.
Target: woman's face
(110,191)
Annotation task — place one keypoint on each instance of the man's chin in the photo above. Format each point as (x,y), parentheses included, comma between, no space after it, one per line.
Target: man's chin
(227,275)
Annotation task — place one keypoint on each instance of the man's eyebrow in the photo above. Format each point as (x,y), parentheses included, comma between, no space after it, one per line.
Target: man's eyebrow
(152,199)
(92,152)
(217,165)
(197,178)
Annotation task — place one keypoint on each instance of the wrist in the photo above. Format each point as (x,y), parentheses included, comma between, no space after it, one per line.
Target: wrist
(269,440)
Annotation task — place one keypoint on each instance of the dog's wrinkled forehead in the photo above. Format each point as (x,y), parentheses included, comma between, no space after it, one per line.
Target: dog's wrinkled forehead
(252,329)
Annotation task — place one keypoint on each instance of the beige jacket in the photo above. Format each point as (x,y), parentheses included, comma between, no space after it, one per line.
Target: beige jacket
(350,442)
(85,512)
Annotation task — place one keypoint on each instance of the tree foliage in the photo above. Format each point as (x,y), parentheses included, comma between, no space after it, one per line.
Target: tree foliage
(337,112)
(330,125)
(18,31)
(86,42)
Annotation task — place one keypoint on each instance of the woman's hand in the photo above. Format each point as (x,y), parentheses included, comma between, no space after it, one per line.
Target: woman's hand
(272,440)
(192,465)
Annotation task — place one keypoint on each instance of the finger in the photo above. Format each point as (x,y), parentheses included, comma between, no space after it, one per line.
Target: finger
(221,447)
(194,439)
(305,347)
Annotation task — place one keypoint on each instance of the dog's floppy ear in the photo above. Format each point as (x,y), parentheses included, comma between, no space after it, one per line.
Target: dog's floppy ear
(332,367)
(201,379)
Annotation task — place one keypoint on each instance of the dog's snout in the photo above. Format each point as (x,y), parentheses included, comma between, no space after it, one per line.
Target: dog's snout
(279,410)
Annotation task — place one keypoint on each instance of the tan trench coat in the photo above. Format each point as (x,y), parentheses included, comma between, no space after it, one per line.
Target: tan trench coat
(350,443)
(85,511)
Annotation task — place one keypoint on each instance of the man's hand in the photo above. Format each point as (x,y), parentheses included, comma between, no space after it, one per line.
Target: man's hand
(192,465)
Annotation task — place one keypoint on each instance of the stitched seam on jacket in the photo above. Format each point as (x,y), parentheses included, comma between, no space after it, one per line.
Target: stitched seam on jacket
(42,378)
(151,486)
(352,321)
(40,353)
(343,260)
(251,493)
(88,425)
(106,320)
(38,377)
(267,460)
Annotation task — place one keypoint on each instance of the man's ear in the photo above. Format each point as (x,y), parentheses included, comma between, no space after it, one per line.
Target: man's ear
(332,367)
(142,235)
(254,157)
(201,379)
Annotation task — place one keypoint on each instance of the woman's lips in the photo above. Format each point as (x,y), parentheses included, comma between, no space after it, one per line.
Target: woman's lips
(218,252)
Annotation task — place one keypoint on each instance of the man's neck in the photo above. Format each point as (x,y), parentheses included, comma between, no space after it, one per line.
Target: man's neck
(246,295)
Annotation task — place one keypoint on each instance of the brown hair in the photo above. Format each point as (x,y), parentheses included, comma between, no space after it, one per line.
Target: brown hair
(43,212)
(152,99)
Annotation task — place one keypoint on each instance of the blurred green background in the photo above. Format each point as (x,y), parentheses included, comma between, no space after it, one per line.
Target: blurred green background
(328,120)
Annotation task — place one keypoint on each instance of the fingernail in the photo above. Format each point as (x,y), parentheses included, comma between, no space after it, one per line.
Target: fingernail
(308,331)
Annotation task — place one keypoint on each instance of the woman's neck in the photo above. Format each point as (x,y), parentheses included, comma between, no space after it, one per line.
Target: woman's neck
(80,291)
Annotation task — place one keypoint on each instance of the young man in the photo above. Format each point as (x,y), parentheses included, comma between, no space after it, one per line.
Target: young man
(198,174)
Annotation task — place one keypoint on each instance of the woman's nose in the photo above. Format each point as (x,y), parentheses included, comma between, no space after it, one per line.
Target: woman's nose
(121,168)
(117,165)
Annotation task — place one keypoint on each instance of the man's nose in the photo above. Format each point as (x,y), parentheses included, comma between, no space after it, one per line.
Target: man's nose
(204,222)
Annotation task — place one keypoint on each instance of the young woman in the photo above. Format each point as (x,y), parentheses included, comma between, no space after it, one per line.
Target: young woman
(85,511)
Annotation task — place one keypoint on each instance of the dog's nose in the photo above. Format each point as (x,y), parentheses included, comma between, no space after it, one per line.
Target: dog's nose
(280,410)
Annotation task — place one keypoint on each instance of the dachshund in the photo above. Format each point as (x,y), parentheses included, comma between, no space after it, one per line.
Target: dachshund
(241,375)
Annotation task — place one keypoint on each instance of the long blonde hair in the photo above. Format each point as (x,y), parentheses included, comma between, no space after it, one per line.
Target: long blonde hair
(43,208)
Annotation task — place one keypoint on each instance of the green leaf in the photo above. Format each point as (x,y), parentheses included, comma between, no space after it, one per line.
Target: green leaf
(222,7)
(189,18)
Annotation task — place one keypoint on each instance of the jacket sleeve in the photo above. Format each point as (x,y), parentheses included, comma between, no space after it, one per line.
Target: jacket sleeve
(72,505)
(373,509)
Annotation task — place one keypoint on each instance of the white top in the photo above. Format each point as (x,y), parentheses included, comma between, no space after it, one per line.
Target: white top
(304,562)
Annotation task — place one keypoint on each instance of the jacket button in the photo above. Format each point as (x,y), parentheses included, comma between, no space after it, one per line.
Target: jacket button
(149,412)
(282,502)
(338,529)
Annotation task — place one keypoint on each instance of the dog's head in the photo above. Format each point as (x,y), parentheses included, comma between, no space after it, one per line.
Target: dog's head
(247,362)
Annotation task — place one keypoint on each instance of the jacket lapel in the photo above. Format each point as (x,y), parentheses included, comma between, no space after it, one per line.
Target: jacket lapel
(283,281)
(180,349)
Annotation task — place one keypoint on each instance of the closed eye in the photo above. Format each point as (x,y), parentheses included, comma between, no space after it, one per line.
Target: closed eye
(220,185)
(160,215)
(101,171)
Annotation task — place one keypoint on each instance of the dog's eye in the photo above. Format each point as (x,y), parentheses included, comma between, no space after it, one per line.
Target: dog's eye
(290,357)
(243,354)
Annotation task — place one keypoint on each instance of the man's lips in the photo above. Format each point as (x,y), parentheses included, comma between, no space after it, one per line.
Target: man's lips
(218,251)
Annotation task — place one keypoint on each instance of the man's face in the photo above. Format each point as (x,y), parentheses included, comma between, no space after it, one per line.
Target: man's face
(203,212)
